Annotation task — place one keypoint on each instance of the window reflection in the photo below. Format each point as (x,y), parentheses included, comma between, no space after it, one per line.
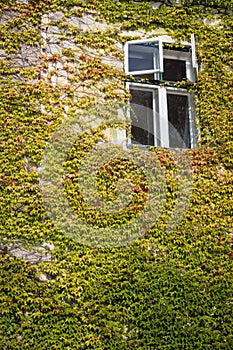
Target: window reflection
(143,57)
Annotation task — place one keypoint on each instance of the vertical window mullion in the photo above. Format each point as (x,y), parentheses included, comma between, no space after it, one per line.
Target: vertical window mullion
(154,119)
(126,49)
(163,117)
(191,121)
(160,56)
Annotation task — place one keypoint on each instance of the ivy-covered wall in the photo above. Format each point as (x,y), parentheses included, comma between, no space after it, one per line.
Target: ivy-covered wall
(165,289)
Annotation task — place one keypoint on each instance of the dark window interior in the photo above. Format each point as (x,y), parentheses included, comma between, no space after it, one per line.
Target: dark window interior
(174,70)
(142,127)
(179,130)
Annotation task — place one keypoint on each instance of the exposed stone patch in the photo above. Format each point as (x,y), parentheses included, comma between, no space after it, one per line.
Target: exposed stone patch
(35,255)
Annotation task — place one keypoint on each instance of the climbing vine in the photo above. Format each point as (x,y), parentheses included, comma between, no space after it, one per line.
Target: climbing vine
(165,290)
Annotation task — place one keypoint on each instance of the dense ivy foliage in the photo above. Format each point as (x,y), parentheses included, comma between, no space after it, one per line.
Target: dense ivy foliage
(166,290)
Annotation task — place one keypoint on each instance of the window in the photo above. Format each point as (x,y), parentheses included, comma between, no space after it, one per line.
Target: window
(161,114)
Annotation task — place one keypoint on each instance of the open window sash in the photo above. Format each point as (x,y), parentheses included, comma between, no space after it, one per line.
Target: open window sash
(144,57)
(194,57)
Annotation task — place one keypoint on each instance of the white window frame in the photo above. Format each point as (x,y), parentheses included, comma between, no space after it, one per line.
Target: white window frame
(188,57)
(191,68)
(142,87)
(163,124)
(149,71)
(191,111)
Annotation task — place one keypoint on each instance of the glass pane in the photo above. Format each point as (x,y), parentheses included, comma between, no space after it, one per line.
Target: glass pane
(142,127)
(144,56)
(178,117)
(174,70)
